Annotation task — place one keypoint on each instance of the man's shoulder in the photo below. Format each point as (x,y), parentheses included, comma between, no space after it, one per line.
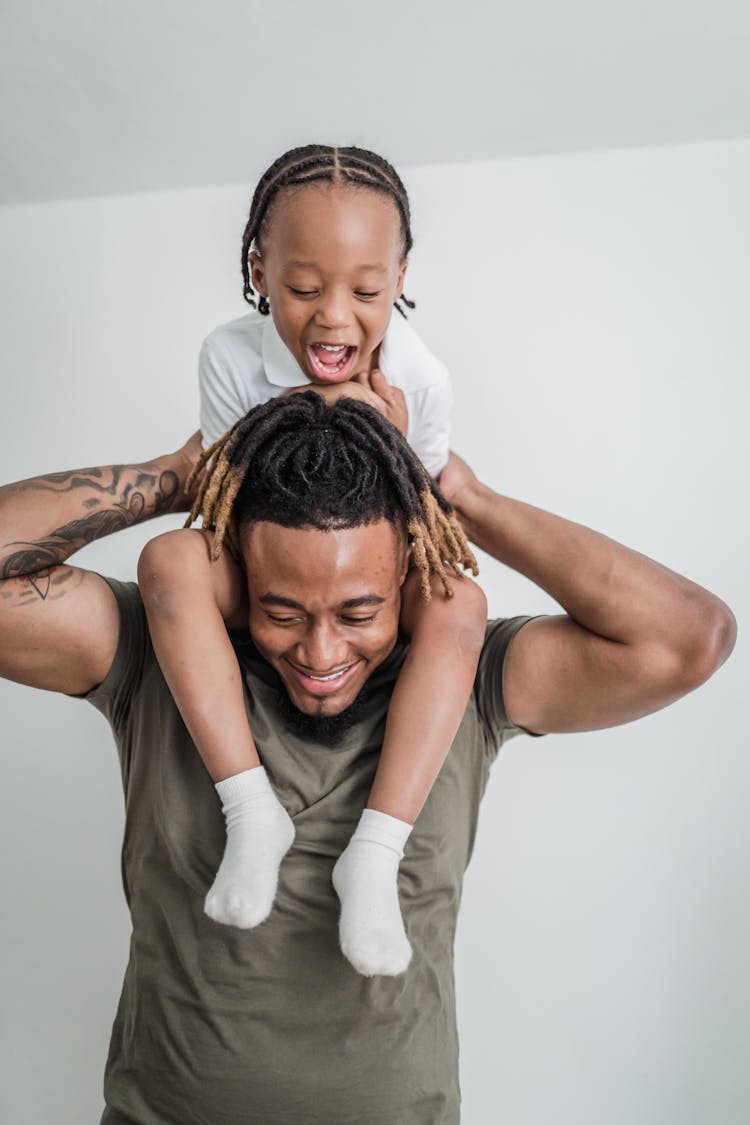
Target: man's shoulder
(488,683)
(115,694)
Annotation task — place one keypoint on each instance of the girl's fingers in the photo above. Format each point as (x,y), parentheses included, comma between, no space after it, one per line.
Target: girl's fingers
(393,398)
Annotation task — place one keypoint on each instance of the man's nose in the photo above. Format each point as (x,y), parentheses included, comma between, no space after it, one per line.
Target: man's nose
(323,649)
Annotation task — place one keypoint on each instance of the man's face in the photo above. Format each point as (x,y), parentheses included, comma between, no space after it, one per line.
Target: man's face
(324,606)
(332,266)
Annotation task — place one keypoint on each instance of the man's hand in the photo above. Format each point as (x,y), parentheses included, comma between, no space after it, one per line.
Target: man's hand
(371,387)
(456,480)
(185,460)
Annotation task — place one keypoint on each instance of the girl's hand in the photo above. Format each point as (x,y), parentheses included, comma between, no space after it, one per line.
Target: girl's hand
(391,404)
(370,387)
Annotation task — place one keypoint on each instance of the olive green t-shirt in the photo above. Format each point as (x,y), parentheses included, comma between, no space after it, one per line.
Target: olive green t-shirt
(272,1026)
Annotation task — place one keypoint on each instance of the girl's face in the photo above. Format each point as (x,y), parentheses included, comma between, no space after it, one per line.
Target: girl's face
(331,266)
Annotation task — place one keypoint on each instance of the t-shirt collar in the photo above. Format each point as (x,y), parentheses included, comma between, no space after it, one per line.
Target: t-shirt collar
(280,366)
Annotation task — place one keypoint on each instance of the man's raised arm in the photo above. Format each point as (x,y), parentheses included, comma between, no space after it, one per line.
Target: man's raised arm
(59,624)
(635,636)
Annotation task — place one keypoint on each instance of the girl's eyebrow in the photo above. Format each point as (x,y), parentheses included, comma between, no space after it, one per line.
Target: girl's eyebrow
(374,267)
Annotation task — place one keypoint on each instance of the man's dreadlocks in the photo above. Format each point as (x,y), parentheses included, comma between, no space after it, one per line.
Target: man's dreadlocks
(299,462)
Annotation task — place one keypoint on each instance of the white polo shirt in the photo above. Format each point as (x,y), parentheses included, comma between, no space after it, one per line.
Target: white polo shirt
(245,363)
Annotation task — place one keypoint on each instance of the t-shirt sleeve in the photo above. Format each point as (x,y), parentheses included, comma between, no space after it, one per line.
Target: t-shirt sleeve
(115,694)
(430,426)
(222,396)
(488,684)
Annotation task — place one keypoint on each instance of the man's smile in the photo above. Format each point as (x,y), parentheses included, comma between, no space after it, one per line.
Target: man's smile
(323,683)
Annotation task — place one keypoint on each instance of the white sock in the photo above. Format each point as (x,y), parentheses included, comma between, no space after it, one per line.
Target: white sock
(259,834)
(371,930)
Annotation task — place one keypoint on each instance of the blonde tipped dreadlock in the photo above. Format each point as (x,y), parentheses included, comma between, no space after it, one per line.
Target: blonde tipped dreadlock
(299,462)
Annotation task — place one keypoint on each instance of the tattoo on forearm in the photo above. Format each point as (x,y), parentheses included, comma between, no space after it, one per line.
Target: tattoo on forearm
(79,478)
(150,494)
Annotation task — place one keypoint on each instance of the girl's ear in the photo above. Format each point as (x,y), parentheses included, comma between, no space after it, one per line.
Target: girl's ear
(257,273)
(401,276)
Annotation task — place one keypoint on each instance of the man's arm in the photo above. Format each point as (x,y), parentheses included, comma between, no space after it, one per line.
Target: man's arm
(59,624)
(635,636)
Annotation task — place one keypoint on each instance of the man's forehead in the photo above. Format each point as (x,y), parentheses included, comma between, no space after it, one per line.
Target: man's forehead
(353,563)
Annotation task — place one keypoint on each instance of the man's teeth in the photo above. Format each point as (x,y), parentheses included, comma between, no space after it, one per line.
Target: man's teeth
(332,676)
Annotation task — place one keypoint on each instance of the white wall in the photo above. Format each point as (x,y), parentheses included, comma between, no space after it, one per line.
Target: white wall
(593,309)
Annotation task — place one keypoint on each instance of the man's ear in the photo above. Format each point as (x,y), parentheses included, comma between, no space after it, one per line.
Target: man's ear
(257,273)
(405,562)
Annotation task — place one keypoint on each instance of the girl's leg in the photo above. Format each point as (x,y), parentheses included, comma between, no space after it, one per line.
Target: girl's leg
(428,702)
(188,600)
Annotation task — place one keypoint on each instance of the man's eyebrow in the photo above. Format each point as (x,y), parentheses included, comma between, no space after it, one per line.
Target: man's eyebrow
(278,599)
(350,603)
(366,599)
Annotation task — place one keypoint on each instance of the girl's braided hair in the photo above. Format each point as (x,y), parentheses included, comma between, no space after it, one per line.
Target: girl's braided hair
(312,164)
(299,462)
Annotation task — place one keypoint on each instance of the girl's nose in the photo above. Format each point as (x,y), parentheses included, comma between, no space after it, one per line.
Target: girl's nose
(333,310)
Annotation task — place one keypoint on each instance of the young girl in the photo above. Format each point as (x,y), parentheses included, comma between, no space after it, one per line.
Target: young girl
(326,248)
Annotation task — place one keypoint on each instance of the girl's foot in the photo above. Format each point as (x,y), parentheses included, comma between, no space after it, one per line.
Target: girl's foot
(259,834)
(371,930)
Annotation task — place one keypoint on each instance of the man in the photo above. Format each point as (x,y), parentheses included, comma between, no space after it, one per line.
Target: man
(225,1026)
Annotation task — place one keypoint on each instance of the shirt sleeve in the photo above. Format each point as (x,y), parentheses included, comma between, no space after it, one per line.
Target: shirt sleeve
(488,684)
(114,695)
(223,398)
(430,424)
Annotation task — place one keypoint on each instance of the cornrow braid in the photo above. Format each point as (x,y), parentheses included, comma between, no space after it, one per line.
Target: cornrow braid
(299,462)
(310,164)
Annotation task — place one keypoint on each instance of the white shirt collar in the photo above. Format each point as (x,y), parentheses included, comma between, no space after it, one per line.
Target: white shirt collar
(280,366)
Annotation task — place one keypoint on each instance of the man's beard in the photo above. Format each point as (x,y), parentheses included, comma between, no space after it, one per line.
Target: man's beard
(329,730)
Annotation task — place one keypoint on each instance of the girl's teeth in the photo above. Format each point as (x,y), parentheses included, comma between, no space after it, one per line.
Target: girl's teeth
(336,352)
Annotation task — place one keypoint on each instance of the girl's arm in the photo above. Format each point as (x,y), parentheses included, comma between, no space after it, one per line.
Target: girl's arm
(431,693)
(189,603)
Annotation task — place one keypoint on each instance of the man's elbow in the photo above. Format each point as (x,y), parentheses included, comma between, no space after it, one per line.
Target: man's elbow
(703,647)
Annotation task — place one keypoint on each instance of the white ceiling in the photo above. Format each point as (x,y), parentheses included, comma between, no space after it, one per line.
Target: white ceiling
(98,97)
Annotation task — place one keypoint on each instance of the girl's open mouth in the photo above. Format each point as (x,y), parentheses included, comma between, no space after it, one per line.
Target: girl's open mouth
(331,363)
